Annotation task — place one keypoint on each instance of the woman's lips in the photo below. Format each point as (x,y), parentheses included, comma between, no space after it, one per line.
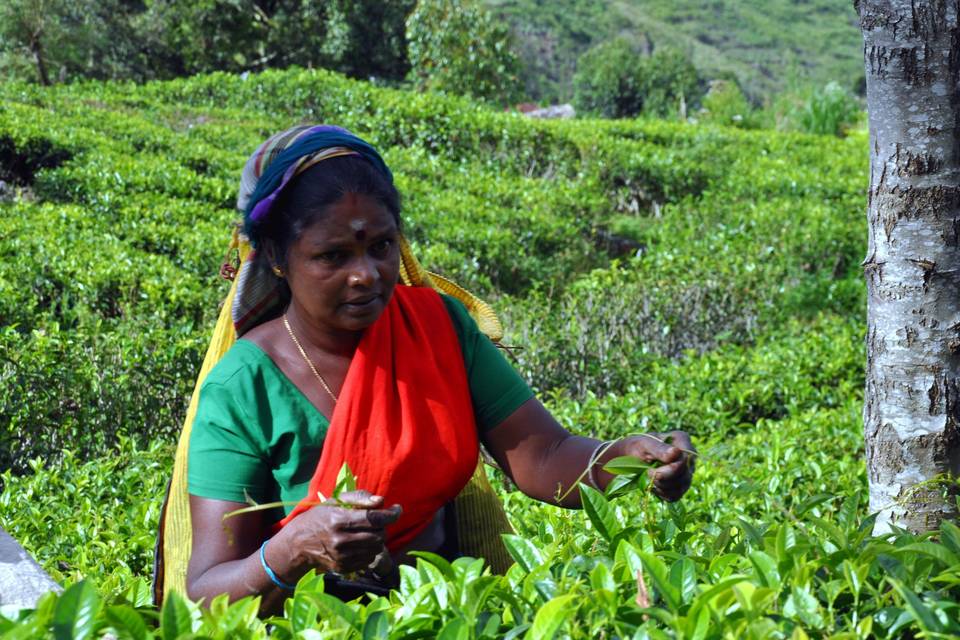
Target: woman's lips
(362,303)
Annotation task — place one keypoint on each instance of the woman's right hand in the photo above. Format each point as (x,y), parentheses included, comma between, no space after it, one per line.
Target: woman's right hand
(330,538)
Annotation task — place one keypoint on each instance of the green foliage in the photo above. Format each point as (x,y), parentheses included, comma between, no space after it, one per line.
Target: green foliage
(735,313)
(829,111)
(456,46)
(364,38)
(91,519)
(53,40)
(725,104)
(607,80)
(669,82)
(614,80)
(826,110)
(763,44)
(762,547)
(208,35)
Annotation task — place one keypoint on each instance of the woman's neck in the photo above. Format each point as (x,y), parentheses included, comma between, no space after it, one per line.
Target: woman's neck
(316,338)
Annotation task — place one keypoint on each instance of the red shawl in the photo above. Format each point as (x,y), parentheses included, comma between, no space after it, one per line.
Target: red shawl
(404,419)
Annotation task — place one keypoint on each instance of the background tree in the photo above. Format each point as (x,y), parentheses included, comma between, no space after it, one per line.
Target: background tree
(60,40)
(457,46)
(607,81)
(912,407)
(367,38)
(614,80)
(56,40)
(200,36)
(724,103)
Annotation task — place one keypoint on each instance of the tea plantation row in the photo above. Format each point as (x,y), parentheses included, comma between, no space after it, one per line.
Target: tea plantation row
(655,275)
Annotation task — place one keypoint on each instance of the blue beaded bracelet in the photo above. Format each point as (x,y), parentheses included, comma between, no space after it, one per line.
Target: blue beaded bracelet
(270,574)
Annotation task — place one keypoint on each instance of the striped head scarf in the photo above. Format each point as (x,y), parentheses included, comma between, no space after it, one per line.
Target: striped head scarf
(286,155)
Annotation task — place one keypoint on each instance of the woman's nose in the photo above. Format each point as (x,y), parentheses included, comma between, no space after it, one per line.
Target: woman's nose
(363,273)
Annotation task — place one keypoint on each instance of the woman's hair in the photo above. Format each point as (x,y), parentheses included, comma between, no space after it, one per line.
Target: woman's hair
(306,198)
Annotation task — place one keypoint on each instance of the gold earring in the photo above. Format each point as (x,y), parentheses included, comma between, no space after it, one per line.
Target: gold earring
(277,271)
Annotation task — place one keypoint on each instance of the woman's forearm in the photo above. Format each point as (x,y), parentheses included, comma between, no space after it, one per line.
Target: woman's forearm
(238,579)
(247,577)
(546,462)
(541,457)
(560,468)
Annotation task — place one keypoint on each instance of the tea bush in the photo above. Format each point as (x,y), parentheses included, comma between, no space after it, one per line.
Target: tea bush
(763,547)
(655,276)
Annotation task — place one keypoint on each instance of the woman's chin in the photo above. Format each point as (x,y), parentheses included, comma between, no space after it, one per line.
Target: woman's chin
(361,316)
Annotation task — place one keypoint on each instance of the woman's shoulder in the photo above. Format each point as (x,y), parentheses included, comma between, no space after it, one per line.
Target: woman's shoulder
(463,322)
(244,360)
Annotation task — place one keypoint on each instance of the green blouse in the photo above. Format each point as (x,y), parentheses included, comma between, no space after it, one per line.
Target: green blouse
(255,433)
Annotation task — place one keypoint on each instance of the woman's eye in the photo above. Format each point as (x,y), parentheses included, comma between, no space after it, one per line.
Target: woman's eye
(331,257)
(382,248)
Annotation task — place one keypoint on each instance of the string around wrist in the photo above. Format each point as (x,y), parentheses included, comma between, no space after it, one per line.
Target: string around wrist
(598,451)
(270,574)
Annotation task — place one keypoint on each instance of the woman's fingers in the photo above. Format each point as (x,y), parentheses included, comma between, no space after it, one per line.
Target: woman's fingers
(366,511)
(661,451)
(673,476)
(380,518)
(668,472)
(370,519)
(360,499)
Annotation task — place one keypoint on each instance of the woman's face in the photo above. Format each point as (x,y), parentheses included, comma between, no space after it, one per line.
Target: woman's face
(343,268)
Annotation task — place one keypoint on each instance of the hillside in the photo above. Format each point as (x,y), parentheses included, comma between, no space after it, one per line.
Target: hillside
(765,44)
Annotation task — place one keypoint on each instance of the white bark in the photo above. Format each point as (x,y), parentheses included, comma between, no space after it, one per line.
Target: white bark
(912,404)
(22,581)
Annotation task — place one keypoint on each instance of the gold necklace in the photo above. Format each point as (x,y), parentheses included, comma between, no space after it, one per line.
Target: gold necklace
(323,382)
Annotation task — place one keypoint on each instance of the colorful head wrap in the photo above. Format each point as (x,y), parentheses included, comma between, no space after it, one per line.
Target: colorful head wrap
(286,155)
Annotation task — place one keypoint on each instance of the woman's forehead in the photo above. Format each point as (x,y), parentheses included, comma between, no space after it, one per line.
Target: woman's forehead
(351,217)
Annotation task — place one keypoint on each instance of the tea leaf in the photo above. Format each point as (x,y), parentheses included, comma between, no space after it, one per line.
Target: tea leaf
(526,554)
(75,616)
(921,613)
(126,622)
(766,568)
(933,550)
(346,481)
(175,617)
(376,626)
(661,581)
(456,629)
(551,617)
(627,465)
(600,513)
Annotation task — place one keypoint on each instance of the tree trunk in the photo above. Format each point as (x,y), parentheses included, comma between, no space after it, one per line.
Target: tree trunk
(912,405)
(37,50)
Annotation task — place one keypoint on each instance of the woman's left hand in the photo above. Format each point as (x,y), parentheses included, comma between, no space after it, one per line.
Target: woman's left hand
(673,477)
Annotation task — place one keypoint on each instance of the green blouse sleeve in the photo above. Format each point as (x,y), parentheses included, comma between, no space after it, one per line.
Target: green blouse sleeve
(222,439)
(496,388)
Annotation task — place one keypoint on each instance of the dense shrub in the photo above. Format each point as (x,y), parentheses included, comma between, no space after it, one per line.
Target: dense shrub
(827,110)
(614,80)
(762,547)
(457,46)
(83,389)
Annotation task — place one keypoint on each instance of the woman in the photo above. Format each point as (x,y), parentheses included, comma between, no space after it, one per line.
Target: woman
(339,363)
